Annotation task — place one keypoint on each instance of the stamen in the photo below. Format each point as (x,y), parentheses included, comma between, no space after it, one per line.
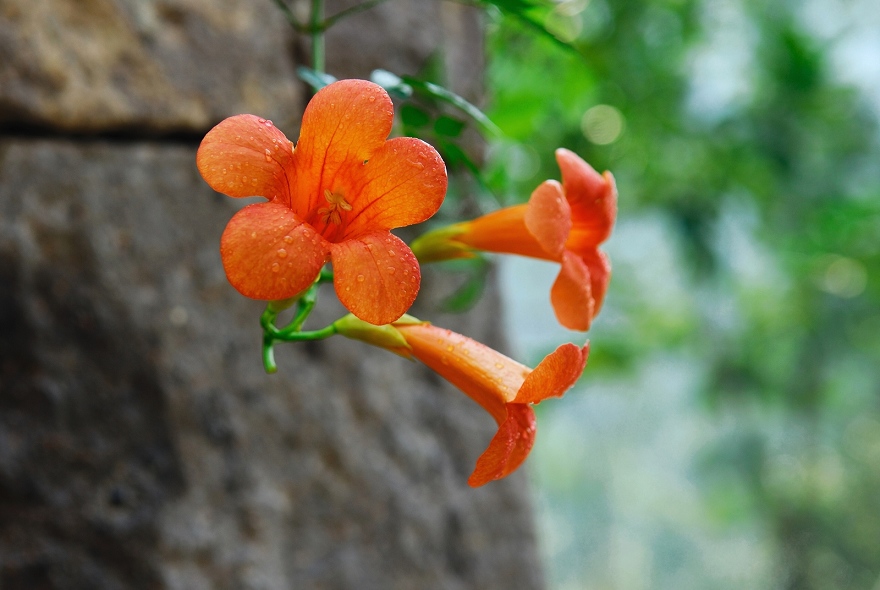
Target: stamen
(331,214)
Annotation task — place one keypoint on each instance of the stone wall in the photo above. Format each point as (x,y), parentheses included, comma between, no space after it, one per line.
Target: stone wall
(141,444)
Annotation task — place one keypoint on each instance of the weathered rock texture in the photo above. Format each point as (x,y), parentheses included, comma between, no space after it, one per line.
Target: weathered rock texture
(141,444)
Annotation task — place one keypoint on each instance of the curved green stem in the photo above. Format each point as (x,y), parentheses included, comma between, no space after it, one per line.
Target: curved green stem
(302,336)
(269,354)
(304,307)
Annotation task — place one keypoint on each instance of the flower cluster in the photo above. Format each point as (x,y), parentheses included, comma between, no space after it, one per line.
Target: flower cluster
(334,197)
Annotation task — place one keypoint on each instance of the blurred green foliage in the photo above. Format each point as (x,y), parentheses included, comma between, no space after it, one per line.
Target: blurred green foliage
(725,122)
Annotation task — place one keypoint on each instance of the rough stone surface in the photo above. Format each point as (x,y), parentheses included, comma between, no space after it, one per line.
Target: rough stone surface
(154,66)
(141,444)
(179,66)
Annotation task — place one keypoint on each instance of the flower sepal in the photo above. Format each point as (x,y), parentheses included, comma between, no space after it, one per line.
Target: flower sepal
(384,336)
(440,244)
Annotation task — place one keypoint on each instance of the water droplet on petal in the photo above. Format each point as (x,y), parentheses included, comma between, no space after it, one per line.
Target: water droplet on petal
(268,155)
(282,253)
(253,235)
(276,267)
(499,365)
(360,278)
(392,269)
(288,239)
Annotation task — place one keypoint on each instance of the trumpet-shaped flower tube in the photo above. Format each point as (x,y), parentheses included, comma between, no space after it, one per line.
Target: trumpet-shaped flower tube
(564,223)
(503,387)
(334,197)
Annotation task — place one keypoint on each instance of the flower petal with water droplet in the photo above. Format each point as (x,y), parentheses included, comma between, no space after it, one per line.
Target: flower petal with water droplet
(363,282)
(251,248)
(252,149)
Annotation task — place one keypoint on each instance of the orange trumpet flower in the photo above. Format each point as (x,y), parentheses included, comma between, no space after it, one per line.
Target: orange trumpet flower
(334,197)
(503,387)
(564,223)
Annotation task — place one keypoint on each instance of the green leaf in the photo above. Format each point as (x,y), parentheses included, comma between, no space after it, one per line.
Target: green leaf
(532,14)
(414,116)
(314,78)
(392,83)
(442,94)
(448,126)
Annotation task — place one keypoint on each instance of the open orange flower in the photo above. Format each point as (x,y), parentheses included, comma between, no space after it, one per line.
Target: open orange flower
(503,387)
(332,198)
(564,222)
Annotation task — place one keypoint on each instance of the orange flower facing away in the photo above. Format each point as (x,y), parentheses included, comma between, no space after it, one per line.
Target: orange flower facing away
(563,222)
(503,387)
(334,197)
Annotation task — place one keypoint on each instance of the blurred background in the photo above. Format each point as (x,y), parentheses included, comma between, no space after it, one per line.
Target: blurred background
(726,433)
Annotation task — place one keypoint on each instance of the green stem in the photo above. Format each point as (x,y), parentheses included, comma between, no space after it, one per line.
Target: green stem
(303,308)
(269,354)
(317,32)
(306,335)
(326,276)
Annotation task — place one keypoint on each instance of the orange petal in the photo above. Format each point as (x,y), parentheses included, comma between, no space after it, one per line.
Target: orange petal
(503,231)
(554,375)
(548,217)
(245,156)
(482,373)
(509,447)
(269,253)
(593,200)
(600,275)
(403,183)
(376,276)
(342,126)
(570,294)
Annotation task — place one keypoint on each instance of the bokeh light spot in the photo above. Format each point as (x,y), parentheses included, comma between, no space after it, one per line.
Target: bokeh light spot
(842,276)
(602,124)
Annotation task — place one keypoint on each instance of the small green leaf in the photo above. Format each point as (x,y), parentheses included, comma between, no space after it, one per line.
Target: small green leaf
(448,126)
(440,93)
(532,14)
(314,78)
(392,83)
(413,116)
